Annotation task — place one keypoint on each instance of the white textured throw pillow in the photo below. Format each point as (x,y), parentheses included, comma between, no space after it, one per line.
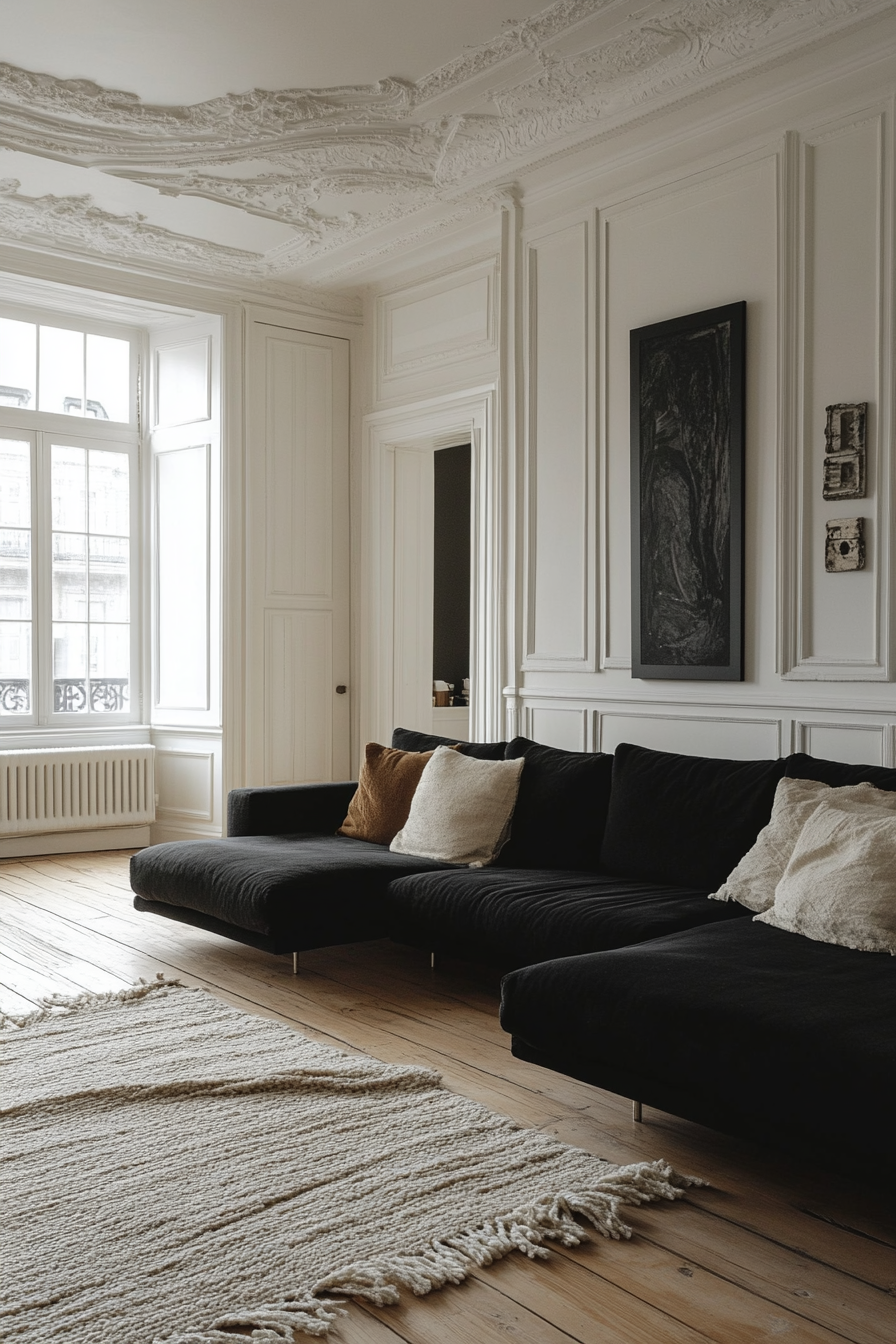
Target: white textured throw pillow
(840,883)
(755,878)
(461,810)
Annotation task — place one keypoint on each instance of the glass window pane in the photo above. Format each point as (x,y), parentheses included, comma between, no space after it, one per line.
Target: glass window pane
(108,493)
(69,649)
(69,576)
(110,651)
(109,665)
(61,370)
(108,378)
(18,363)
(15,483)
(69,488)
(109,579)
(15,667)
(69,668)
(15,574)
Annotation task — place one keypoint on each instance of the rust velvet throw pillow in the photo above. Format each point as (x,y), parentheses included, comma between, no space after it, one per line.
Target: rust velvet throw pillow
(386,785)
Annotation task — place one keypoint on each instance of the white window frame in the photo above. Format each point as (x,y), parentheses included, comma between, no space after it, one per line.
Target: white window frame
(43,429)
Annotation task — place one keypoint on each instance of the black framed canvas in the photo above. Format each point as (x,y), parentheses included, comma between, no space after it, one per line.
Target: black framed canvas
(687,450)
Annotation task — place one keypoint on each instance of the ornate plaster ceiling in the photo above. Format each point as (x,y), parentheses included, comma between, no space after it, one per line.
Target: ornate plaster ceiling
(291,184)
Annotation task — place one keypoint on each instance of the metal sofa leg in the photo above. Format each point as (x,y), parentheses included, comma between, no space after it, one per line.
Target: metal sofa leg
(636,1112)
(433,962)
(295,963)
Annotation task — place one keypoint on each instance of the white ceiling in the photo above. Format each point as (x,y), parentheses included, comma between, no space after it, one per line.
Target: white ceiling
(187,51)
(287,141)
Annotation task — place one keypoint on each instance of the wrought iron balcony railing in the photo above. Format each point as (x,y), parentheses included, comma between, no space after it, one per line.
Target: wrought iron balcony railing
(103,695)
(71,695)
(15,696)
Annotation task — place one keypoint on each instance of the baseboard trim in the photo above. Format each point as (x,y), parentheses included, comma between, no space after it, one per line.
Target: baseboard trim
(75,842)
(161,833)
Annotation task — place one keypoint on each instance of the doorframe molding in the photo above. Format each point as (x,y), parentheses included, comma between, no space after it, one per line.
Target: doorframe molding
(464,417)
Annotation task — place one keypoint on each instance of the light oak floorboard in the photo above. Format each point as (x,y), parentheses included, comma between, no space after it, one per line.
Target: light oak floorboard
(773,1248)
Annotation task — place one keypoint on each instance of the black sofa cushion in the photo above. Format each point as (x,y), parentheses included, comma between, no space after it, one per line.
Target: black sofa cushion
(684,820)
(408,739)
(738,1025)
(838,774)
(510,917)
(561,808)
(298,891)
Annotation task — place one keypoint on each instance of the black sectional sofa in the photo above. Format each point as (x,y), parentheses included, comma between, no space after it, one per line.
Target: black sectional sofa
(622,972)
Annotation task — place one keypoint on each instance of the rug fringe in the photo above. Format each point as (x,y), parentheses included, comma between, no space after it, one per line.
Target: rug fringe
(53,1004)
(451,1259)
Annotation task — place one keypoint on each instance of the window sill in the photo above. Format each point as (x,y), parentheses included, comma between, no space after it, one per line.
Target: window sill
(88,735)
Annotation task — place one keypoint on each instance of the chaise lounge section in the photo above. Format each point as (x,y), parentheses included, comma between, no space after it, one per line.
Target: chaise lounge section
(622,973)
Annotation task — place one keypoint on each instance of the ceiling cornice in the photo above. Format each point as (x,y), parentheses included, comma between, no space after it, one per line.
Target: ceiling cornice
(78,223)
(345,166)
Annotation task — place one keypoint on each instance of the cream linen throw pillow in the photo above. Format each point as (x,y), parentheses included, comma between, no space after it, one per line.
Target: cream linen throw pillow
(461,810)
(840,883)
(755,878)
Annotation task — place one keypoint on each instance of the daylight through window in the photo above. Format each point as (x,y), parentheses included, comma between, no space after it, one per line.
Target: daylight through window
(66,524)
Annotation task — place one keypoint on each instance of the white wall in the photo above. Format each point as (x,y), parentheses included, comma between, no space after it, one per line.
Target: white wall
(778,193)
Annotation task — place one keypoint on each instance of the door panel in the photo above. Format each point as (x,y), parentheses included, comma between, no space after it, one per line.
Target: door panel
(298,557)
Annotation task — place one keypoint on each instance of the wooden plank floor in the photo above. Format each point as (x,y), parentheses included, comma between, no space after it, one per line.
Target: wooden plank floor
(771,1249)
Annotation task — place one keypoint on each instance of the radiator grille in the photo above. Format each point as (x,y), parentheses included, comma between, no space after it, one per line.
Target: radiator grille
(80,790)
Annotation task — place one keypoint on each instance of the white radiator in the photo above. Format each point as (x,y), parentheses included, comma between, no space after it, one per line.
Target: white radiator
(75,790)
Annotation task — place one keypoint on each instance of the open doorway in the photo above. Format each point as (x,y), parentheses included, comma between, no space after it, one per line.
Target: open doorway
(396,571)
(451,591)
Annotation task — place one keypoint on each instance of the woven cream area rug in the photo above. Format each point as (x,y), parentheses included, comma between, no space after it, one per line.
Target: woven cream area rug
(179,1171)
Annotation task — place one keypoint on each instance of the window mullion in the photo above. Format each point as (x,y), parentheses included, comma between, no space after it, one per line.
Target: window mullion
(42,547)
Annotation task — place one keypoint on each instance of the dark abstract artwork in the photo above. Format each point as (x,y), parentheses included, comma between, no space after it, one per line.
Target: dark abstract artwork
(687,429)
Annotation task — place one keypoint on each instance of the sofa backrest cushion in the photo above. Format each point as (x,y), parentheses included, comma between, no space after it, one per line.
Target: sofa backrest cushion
(461,810)
(687,820)
(408,739)
(386,786)
(837,774)
(561,808)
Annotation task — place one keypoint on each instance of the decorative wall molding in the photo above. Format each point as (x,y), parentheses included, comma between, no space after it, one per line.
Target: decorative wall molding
(802,391)
(422,306)
(809,735)
(186,778)
(723,727)
(566,728)
(779,725)
(393,148)
(559,272)
(709,184)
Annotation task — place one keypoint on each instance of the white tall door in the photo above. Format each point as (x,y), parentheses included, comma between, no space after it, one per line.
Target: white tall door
(297,659)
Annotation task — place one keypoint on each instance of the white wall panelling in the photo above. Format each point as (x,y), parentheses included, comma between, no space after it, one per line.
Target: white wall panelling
(694,735)
(567,729)
(682,248)
(186,780)
(183,662)
(186,518)
(297,506)
(183,383)
(442,321)
(189,791)
(396,596)
(838,623)
(857,743)
(560,457)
